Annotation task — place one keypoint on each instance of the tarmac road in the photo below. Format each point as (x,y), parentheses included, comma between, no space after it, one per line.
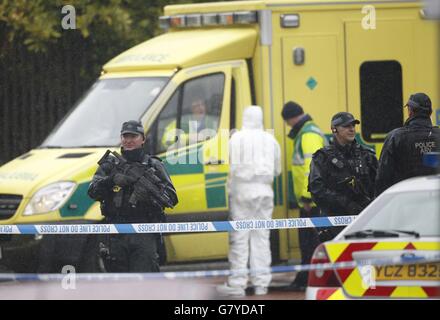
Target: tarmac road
(136,289)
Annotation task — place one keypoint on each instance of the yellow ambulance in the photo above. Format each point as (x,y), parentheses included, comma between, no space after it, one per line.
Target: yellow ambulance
(364,57)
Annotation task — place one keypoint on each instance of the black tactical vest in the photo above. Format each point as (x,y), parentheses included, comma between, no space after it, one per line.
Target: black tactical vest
(342,167)
(118,209)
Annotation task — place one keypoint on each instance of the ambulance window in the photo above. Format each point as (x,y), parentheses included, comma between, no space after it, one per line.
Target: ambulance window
(381,99)
(166,125)
(201,107)
(191,115)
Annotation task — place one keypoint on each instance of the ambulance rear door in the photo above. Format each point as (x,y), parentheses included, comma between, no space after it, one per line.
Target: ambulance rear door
(380,68)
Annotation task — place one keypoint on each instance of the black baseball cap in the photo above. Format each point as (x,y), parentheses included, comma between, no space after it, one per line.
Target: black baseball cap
(419,101)
(132,126)
(342,119)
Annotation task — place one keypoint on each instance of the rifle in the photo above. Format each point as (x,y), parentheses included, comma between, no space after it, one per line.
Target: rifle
(148,185)
(357,188)
(107,162)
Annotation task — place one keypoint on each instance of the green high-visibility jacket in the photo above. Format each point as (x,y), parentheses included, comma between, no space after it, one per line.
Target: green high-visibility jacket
(308,140)
(168,138)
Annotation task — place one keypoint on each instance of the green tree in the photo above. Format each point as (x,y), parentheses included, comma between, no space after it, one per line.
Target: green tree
(44,68)
(37,23)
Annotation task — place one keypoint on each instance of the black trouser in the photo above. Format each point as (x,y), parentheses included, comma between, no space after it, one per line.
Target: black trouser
(308,241)
(57,251)
(132,253)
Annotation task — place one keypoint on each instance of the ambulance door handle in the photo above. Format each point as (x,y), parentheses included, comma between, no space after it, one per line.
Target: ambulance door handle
(214,162)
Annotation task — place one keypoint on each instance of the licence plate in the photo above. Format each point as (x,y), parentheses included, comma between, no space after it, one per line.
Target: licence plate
(428,271)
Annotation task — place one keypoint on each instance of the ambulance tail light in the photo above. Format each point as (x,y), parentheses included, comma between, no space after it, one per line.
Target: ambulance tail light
(322,278)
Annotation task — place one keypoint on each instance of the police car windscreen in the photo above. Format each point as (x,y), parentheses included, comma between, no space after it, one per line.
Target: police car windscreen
(416,211)
(96,119)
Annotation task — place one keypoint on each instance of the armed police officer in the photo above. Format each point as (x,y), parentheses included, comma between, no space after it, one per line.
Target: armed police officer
(403,149)
(132,188)
(341,179)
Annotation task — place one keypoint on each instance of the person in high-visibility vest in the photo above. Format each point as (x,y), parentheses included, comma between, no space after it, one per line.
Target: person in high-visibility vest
(307,138)
(194,127)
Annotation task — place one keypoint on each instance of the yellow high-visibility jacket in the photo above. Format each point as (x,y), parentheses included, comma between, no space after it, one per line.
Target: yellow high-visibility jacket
(170,132)
(306,142)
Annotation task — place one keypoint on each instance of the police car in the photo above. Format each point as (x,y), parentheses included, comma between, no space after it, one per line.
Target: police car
(402,224)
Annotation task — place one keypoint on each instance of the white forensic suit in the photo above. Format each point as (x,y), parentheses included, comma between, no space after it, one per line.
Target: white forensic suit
(254,162)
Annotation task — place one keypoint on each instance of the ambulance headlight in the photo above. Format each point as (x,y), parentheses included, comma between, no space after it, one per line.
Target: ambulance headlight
(50,198)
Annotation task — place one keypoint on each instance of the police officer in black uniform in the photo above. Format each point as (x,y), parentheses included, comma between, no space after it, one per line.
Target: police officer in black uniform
(403,149)
(341,179)
(114,189)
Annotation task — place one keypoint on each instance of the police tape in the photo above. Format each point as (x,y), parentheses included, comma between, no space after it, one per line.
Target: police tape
(181,227)
(365,263)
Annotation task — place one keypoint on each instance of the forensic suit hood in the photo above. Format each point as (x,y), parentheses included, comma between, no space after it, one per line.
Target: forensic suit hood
(253,118)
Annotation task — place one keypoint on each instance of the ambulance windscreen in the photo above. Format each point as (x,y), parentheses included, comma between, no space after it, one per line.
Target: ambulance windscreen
(96,119)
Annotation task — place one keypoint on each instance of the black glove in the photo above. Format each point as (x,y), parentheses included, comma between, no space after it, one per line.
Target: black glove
(122,180)
(107,181)
(141,193)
